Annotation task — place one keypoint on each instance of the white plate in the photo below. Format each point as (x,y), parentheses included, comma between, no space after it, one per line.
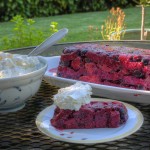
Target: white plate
(90,136)
(125,94)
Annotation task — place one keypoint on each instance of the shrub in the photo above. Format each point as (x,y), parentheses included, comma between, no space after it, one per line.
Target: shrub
(114,24)
(38,8)
(25,34)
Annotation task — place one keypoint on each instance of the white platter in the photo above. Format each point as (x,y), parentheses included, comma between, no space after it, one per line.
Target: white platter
(121,94)
(90,136)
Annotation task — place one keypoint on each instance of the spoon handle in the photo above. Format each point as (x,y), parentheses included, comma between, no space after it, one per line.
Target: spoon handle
(49,42)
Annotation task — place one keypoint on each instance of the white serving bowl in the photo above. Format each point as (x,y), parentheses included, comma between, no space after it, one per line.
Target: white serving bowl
(15,91)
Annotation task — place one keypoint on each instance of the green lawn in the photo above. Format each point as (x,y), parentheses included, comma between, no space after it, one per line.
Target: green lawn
(78,24)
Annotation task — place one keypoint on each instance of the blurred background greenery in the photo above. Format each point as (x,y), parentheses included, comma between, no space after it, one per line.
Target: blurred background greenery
(50,15)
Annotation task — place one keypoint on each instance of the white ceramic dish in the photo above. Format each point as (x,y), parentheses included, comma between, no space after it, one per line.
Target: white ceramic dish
(15,91)
(90,136)
(125,94)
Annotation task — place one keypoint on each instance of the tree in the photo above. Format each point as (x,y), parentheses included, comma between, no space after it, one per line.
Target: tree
(143,4)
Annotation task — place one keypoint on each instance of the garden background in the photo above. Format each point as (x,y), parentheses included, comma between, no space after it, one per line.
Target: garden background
(27,22)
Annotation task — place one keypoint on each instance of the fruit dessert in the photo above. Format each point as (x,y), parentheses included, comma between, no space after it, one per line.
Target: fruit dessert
(75,110)
(109,65)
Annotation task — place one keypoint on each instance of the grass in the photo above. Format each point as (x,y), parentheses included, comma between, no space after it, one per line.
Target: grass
(78,24)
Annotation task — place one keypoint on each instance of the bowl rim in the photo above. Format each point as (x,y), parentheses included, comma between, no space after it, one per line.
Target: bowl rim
(28,75)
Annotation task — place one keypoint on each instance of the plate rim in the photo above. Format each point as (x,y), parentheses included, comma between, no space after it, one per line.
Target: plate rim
(137,126)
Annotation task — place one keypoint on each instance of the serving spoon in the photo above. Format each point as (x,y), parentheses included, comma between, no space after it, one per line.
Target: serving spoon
(44,46)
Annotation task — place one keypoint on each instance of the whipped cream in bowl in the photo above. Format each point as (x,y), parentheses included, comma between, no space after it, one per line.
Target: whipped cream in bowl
(20,79)
(12,65)
(73,97)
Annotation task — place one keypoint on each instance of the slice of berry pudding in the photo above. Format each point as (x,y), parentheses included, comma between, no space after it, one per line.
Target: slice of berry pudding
(75,110)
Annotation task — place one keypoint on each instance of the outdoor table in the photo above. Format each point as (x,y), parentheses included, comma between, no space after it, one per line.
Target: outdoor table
(18,129)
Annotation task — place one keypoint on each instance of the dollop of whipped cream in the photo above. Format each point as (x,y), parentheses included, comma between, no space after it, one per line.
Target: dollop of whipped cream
(73,97)
(14,64)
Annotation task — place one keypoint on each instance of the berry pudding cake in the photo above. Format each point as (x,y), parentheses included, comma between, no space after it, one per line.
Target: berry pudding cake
(75,110)
(109,65)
